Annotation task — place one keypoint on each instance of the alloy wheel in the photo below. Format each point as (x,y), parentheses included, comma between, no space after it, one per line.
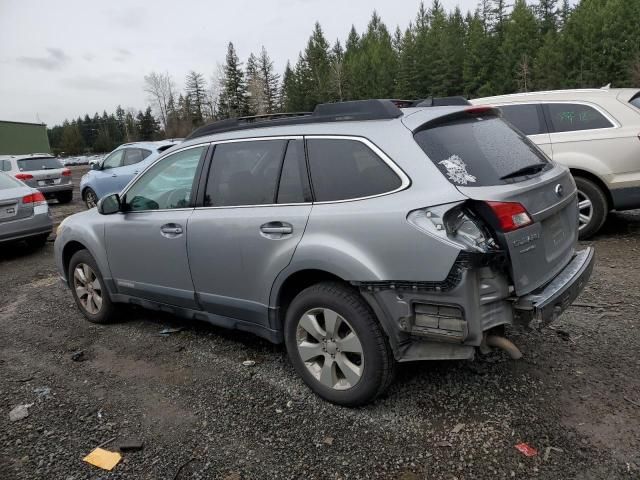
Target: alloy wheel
(91,199)
(585,210)
(330,348)
(88,288)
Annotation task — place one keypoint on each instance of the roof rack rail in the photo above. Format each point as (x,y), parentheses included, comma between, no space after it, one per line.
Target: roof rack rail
(324,112)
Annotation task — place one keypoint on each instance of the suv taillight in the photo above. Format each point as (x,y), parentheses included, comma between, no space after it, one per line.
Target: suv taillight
(24,176)
(511,215)
(66,172)
(36,198)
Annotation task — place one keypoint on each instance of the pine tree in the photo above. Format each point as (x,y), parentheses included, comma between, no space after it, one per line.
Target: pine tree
(233,98)
(288,90)
(72,141)
(351,53)
(549,70)
(270,81)
(547,13)
(147,125)
(454,54)
(195,89)
(314,73)
(407,76)
(519,45)
(477,71)
(338,77)
(255,100)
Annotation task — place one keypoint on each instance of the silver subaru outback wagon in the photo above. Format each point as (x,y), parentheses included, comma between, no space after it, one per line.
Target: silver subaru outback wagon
(360,235)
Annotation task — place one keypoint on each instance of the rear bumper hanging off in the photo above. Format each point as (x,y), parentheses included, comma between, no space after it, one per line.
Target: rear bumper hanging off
(544,305)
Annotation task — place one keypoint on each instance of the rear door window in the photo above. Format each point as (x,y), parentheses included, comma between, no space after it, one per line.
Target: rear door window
(343,169)
(244,173)
(525,118)
(478,151)
(5,165)
(132,156)
(41,163)
(573,117)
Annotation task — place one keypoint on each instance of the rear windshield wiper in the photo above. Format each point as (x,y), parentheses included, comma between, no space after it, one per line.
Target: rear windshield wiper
(528,170)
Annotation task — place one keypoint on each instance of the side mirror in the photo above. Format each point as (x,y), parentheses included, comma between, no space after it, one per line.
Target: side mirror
(109,205)
(95,166)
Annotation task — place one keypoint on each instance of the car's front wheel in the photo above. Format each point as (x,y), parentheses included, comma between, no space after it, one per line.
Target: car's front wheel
(337,345)
(88,288)
(592,208)
(90,198)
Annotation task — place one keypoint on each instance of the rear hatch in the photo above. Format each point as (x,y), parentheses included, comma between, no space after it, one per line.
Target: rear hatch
(528,201)
(11,205)
(44,172)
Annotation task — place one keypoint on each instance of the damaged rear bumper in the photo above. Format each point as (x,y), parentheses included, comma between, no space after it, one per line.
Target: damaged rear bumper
(544,305)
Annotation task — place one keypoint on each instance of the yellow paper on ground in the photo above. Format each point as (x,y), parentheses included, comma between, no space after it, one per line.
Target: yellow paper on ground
(103,458)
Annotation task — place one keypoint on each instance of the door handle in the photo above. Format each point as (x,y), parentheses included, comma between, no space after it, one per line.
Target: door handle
(276,227)
(171,229)
(114,175)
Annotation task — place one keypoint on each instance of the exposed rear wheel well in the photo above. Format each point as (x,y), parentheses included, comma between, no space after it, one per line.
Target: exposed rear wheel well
(68,251)
(296,283)
(576,172)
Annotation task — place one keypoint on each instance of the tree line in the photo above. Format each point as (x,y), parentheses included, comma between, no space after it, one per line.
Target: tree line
(497,49)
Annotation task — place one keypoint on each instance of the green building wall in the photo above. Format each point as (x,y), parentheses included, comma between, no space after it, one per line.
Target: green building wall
(18,138)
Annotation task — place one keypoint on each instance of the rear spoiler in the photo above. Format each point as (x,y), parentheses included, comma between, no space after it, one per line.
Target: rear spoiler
(477,110)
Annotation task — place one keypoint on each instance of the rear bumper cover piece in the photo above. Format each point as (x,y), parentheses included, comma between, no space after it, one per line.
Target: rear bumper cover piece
(542,306)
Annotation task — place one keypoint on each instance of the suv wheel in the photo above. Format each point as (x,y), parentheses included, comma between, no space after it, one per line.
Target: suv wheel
(592,208)
(88,289)
(90,198)
(337,345)
(65,197)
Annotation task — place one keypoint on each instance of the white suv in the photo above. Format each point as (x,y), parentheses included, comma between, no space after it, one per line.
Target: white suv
(595,132)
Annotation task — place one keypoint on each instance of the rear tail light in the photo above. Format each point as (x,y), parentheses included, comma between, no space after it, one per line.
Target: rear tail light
(35,198)
(511,215)
(479,109)
(66,172)
(24,176)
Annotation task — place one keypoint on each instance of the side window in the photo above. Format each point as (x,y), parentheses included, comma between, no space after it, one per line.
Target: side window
(525,118)
(571,117)
(167,184)
(145,153)
(114,160)
(132,156)
(294,182)
(5,165)
(343,169)
(244,173)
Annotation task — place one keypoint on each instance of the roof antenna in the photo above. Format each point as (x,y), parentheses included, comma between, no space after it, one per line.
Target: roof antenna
(606,87)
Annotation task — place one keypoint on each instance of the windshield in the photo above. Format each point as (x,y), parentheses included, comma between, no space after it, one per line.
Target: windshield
(38,163)
(480,151)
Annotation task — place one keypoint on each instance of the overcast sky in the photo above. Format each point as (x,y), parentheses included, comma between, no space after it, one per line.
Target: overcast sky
(61,59)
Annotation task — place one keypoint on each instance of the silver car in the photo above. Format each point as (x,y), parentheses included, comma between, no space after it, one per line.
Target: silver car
(360,235)
(42,171)
(24,213)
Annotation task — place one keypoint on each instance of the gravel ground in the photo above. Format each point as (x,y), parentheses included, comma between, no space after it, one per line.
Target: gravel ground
(202,414)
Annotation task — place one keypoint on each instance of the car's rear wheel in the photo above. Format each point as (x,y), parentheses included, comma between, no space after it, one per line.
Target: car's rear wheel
(88,288)
(90,198)
(65,197)
(337,345)
(592,207)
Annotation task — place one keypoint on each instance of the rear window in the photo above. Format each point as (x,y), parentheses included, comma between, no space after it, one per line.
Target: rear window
(7,182)
(573,117)
(43,163)
(478,151)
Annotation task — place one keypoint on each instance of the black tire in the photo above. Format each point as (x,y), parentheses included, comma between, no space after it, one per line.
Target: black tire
(107,311)
(599,206)
(37,242)
(379,367)
(65,197)
(90,198)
